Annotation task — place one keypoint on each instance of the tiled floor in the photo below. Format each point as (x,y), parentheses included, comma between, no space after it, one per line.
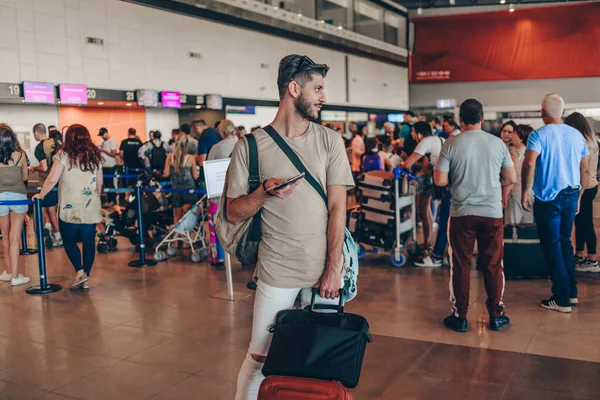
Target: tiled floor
(156,333)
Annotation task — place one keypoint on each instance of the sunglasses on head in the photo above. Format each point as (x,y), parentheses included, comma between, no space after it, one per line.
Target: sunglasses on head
(304,62)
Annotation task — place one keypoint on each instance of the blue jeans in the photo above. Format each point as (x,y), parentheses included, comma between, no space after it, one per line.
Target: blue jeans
(554,221)
(84,233)
(442,234)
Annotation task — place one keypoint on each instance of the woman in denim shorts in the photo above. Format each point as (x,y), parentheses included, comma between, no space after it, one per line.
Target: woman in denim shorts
(13,174)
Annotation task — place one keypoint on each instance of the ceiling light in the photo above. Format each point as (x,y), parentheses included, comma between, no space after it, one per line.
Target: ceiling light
(452,2)
(502,1)
(128,104)
(275,8)
(420,11)
(198,107)
(299,14)
(100,103)
(340,28)
(322,21)
(511,8)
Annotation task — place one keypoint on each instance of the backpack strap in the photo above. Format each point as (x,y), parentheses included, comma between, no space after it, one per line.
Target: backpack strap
(253,184)
(293,157)
(253,175)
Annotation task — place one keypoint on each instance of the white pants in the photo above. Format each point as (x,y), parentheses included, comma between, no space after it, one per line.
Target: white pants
(267,303)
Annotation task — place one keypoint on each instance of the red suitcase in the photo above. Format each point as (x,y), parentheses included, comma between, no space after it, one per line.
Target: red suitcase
(287,388)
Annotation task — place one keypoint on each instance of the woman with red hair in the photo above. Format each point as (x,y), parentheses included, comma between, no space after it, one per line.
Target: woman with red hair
(78,173)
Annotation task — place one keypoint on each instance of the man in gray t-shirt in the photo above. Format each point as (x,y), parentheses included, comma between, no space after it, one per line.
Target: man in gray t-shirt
(476,165)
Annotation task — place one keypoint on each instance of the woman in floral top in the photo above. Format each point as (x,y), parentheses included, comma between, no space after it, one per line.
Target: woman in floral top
(78,172)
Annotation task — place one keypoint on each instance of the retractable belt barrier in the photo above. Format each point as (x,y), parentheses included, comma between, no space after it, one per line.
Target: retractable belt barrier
(400,172)
(44,286)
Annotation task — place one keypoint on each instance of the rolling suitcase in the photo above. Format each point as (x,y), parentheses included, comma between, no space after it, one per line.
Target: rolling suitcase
(289,388)
(375,234)
(378,205)
(523,256)
(381,180)
(381,217)
(364,192)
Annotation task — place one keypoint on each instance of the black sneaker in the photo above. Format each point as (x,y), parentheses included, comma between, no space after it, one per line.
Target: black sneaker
(499,323)
(218,265)
(251,285)
(552,304)
(455,323)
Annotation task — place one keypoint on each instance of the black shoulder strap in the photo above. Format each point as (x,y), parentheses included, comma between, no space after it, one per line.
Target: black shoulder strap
(253,175)
(295,160)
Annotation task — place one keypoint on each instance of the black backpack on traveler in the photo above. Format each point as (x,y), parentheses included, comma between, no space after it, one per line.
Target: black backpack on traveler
(158,156)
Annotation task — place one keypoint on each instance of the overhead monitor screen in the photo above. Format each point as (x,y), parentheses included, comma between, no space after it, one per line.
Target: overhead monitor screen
(171,99)
(398,118)
(38,92)
(147,98)
(214,102)
(73,94)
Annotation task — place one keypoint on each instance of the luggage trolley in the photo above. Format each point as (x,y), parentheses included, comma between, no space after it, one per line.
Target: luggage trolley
(387,216)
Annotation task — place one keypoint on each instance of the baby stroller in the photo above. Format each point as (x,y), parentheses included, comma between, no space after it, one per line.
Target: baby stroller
(190,229)
(157,217)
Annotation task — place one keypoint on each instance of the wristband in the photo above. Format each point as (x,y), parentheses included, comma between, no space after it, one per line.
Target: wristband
(265,189)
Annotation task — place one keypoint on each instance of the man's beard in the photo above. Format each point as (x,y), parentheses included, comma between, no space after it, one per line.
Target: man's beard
(303,108)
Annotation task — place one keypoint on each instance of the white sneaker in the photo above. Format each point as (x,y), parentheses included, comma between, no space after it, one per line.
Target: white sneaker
(588,266)
(429,262)
(5,277)
(19,280)
(57,241)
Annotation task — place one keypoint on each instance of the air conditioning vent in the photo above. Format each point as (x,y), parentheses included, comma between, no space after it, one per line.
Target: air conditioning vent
(195,55)
(94,41)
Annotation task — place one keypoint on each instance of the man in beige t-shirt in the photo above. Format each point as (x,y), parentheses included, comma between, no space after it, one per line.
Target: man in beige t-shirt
(302,237)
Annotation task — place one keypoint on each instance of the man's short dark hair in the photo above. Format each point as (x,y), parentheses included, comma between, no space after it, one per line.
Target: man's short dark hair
(156,135)
(471,112)
(39,128)
(411,113)
(423,128)
(176,131)
(51,127)
(200,122)
(185,128)
(437,120)
(297,68)
(131,131)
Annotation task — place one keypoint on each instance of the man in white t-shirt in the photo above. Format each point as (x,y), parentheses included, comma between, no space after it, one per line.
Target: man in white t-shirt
(428,145)
(108,148)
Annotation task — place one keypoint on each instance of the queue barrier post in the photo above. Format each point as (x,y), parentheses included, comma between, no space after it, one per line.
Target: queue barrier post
(25,250)
(142,262)
(44,287)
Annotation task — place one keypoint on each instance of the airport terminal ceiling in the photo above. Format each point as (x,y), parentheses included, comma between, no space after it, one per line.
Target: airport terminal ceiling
(415,4)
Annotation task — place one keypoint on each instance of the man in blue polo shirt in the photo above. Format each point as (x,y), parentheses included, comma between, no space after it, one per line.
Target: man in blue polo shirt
(557,157)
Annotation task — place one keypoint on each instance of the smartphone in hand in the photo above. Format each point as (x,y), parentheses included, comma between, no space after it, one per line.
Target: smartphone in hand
(287,183)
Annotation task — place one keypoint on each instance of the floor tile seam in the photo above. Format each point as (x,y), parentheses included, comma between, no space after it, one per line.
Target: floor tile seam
(199,375)
(512,375)
(160,366)
(46,392)
(78,379)
(171,386)
(433,344)
(430,375)
(391,386)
